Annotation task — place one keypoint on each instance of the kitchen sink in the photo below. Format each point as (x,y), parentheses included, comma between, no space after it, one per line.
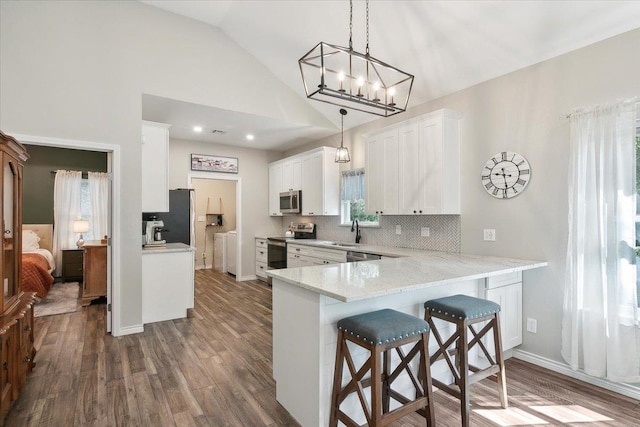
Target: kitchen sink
(341,245)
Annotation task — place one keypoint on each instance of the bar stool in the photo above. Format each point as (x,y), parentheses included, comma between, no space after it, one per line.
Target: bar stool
(465,311)
(380,332)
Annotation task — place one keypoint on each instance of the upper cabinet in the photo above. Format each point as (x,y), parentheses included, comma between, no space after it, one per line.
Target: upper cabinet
(314,173)
(155,167)
(414,167)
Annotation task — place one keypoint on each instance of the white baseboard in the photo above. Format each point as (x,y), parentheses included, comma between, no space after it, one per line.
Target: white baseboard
(245,278)
(564,369)
(136,329)
(205,267)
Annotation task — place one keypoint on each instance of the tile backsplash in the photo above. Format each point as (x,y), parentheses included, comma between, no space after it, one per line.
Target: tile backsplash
(444,231)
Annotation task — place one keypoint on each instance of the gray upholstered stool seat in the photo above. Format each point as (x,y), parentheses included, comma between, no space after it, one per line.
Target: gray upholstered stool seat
(383,326)
(462,307)
(465,312)
(381,332)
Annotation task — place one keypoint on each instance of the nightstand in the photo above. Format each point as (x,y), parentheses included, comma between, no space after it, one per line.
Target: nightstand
(72,265)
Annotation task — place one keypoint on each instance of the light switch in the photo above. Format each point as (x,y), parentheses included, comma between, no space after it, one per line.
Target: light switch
(490,234)
(398,229)
(424,232)
(201,218)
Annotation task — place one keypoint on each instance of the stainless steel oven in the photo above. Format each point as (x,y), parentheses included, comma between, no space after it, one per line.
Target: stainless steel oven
(276,253)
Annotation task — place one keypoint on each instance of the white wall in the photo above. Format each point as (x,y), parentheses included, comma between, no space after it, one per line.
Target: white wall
(77,70)
(525,112)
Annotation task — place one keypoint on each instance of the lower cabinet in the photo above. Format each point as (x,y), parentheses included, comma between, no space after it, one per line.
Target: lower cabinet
(506,290)
(17,350)
(304,256)
(167,284)
(261,259)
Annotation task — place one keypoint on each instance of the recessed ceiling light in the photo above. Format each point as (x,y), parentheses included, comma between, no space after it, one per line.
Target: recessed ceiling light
(250,137)
(197,129)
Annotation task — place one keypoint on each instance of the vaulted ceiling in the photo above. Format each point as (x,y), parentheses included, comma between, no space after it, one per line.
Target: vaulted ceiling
(447,45)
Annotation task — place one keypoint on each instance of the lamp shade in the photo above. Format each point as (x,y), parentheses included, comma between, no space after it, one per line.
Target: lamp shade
(80,226)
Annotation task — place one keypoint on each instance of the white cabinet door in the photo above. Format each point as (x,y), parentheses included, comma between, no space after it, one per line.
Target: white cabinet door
(510,299)
(411,186)
(381,177)
(312,184)
(292,174)
(155,167)
(275,187)
(440,163)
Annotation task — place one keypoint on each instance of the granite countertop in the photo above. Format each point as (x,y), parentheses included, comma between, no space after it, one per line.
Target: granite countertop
(411,269)
(170,247)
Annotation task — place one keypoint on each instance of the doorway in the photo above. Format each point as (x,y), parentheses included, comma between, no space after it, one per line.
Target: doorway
(217,211)
(113,168)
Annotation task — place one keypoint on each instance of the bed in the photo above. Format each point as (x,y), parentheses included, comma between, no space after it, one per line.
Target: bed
(37,260)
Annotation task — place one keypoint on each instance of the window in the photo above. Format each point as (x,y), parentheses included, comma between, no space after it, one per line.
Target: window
(352,200)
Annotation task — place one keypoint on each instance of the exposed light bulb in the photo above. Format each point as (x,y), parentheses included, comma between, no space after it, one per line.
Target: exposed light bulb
(376,88)
(391,91)
(340,79)
(360,82)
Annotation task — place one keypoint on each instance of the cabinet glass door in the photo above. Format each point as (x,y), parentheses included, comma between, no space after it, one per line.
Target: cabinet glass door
(9,227)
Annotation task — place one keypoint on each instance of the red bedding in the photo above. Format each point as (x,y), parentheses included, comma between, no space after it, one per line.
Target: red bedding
(35,274)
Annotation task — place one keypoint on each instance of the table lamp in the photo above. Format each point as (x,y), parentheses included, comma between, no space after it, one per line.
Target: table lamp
(80,226)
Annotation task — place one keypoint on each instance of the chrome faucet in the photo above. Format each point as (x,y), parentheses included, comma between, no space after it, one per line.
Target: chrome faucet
(356,229)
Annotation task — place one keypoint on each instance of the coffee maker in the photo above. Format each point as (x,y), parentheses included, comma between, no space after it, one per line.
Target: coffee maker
(153,233)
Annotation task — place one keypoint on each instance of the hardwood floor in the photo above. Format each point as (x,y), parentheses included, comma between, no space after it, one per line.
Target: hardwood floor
(214,369)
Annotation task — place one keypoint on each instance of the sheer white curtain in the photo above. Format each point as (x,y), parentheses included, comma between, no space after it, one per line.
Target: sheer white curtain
(99,195)
(600,331)
(67,208)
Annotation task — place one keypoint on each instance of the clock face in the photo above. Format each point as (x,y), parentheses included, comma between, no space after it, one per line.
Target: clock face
(506,175)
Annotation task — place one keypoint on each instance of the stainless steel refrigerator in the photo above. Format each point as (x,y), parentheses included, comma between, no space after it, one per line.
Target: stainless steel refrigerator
(179,222)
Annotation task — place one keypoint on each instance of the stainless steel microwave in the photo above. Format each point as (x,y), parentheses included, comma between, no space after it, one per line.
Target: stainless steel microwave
(290,202)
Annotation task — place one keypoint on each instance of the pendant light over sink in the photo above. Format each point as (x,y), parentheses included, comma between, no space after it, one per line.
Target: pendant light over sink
(341,76)
(342,153)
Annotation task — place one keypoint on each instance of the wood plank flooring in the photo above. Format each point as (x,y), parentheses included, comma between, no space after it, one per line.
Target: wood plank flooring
(214,369)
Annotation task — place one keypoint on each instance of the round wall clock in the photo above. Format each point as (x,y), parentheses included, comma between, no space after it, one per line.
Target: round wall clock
(506,175)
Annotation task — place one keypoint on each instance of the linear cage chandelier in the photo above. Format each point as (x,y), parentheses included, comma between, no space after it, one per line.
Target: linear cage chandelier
(341,76)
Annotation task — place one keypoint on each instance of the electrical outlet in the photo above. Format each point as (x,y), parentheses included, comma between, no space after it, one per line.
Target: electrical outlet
(490,234)
(201,218)
(532,325)
(424,232)
(398,229)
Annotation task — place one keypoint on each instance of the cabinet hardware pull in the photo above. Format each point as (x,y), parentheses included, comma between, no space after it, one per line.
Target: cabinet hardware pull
(5,365)
(26,359)
(420,211)
(414,212)
(27,327)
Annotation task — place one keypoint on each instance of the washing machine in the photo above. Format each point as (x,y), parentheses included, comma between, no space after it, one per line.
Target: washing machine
(220,252)
(231,252)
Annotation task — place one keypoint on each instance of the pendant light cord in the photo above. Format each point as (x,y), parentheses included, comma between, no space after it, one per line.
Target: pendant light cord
(367,49)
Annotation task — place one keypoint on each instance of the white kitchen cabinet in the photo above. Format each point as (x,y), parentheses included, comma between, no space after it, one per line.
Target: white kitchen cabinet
(167,282)
(416,164)
(261,259)
(155,167)
(275,187)
(292,174)
(315,173)
(381,173)
(506,290)
(302,256)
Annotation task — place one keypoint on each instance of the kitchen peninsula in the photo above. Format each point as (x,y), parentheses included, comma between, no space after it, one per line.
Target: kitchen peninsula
(308,302)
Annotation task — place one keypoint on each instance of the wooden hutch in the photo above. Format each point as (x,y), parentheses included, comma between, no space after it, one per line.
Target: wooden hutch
(16,306)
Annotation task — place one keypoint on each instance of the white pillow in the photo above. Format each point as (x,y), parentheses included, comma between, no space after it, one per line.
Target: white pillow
(30,241)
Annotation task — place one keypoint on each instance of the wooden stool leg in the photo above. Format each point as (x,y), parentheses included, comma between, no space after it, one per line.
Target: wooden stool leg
(376,389)
(425,374)
(386,370)
(463,357)
(337,379)
(502,378)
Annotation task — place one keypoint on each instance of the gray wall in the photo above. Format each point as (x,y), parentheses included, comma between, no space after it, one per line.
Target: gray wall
(37,206)
(525,112)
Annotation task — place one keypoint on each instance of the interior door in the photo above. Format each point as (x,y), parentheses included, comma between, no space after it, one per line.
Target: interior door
(110,233)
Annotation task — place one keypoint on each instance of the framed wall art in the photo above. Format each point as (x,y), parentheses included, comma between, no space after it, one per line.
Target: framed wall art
(204,162)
